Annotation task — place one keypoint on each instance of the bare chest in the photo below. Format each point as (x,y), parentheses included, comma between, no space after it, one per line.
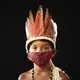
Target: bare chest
(41,78)
(38,77)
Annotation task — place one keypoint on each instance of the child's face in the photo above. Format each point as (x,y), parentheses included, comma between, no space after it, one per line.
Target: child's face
(40,46)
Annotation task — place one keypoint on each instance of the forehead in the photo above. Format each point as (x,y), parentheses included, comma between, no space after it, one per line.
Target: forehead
(40,42)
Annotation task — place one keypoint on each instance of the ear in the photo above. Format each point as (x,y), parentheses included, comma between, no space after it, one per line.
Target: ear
(27,51)
(26,48)
(54,51)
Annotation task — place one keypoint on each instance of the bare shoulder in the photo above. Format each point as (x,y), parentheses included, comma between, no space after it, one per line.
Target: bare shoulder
(25,76)
(64,76)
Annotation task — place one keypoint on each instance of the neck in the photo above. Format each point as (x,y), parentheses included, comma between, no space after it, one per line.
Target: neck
(38,69)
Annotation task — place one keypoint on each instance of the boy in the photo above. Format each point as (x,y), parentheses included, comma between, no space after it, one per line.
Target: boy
(41,48)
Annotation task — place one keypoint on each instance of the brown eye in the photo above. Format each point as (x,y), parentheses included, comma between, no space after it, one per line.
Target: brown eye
(45,47)
(34,47)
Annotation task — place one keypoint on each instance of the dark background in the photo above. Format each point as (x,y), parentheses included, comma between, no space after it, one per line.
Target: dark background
(13,15)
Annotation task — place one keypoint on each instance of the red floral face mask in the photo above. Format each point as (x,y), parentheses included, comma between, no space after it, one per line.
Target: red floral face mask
(40,58)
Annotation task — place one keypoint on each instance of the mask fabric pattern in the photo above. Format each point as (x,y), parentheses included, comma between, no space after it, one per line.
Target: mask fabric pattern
(40,58)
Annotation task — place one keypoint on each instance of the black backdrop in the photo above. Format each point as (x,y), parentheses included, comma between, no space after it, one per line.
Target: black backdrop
(13,55)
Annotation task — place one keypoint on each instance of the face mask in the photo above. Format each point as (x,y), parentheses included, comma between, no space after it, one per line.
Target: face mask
(40,58)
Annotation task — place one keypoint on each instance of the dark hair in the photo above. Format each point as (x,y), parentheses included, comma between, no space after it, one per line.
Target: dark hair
(43,41)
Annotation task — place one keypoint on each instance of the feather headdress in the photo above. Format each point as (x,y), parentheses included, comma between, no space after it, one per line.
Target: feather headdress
(40,29)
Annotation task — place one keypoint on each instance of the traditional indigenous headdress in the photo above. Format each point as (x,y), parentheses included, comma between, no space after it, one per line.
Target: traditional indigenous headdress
(38,29)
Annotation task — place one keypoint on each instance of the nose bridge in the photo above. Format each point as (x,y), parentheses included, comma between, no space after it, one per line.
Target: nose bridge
(39,49)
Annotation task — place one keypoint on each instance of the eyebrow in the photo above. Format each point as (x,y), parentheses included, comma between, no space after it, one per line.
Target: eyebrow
(34,45)
(41,45)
